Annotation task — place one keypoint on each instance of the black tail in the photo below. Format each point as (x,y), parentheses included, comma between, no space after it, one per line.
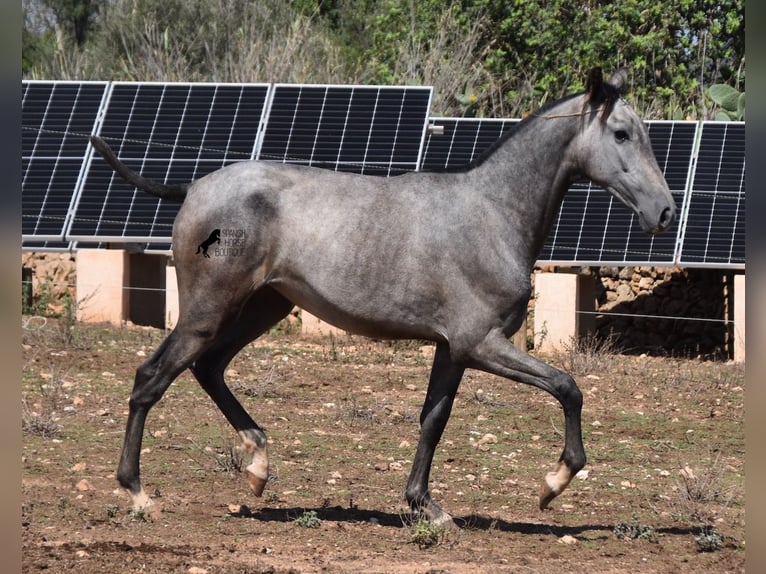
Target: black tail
(173,192)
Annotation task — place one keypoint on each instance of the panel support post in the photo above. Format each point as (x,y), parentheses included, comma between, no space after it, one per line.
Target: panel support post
(171,296)
(739,318)
(102,278)
(559,299)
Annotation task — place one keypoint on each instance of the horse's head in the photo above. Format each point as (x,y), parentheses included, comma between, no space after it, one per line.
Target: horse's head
(614,151)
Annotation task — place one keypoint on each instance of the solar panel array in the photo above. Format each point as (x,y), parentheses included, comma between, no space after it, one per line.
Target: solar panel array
(373,130)
(176,132)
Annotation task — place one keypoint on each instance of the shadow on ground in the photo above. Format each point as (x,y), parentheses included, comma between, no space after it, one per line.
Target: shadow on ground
(470,522)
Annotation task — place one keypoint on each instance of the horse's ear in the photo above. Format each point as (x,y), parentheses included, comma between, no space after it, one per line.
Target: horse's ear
(595,84)
(620,80)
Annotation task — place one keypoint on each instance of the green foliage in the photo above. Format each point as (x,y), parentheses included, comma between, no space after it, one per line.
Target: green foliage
(426,534)
(633,530)
(308,519)
(483,57)
(709,540)
(730,102)
(42,303)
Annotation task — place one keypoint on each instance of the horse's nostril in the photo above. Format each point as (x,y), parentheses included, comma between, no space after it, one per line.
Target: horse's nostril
(666,217)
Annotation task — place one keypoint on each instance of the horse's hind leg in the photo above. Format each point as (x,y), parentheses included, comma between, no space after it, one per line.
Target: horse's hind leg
(263,310)
(153,377)
(442,387)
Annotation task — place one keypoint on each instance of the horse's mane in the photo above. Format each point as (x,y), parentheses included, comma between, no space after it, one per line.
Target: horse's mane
(508,134)
(598,91)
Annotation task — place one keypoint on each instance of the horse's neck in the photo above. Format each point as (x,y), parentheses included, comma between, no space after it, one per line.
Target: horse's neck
(532,170)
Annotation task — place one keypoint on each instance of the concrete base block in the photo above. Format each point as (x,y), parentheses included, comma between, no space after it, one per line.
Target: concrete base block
(102,275)
(558,298)
(313,326)
(739,318)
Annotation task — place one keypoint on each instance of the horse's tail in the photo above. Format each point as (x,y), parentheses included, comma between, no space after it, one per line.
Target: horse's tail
(173,192)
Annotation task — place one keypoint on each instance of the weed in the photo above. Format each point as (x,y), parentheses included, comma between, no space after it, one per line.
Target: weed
(39,304)
(709,540)
(633,530)
(228,458)
(425,533)
(704,486)
(703,492)
(111,511)
(588,354)
(356,412)
(138,514)
(41,418)
(42,424)
(308,519)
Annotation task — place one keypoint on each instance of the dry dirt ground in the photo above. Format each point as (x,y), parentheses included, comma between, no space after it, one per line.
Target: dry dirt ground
(663,491)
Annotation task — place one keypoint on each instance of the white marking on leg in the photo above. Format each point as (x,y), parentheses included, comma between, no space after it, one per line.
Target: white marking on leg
(555,483)
(142,502)
(258,470)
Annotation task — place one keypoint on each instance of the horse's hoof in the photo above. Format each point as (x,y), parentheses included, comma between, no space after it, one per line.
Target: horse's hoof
(257,483)
(546,495)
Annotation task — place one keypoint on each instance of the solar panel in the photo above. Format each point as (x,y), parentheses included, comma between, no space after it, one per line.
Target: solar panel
(171,132)
(455,142)
(714,234)
(56,119)
(374,130)
(594,228)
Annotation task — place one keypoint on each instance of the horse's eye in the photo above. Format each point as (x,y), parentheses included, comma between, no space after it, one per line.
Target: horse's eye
(621,136)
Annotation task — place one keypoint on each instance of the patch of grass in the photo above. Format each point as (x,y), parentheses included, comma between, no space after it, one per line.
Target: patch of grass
(138,514)
(112,511)
(289,326)
(634,530)
(308,519)
(425,534)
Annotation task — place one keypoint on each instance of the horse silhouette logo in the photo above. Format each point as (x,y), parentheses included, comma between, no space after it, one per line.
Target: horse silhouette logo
(215,237)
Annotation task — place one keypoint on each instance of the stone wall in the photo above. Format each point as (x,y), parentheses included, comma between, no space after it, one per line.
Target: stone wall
(669,292)
(53,275)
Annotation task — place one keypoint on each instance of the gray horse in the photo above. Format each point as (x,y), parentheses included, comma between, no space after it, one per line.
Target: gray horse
(444,257)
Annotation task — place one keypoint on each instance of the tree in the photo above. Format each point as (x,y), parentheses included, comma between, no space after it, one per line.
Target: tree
(674,49)
(488,57)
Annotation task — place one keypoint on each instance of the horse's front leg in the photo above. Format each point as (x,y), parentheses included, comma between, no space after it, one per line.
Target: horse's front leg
(442,387)
(495,354)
